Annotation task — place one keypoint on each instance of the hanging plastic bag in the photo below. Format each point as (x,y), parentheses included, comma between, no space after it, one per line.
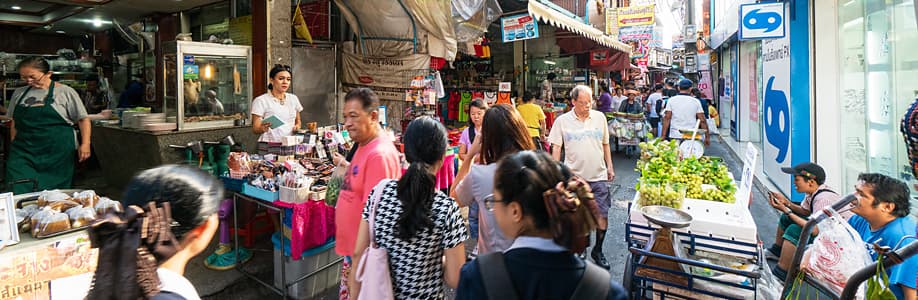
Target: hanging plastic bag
(769,285)
(334,185)
(836,254)
(878,285)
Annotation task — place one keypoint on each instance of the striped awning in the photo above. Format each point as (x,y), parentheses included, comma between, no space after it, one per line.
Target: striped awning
(548,15)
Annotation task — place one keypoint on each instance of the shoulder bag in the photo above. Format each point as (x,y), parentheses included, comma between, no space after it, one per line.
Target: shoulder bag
(373,271)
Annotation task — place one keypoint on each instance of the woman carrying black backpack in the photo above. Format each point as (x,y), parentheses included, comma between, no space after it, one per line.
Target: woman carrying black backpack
(538,202)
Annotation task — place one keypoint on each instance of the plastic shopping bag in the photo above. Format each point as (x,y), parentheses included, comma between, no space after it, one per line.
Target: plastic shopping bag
(836,254)
(334,185)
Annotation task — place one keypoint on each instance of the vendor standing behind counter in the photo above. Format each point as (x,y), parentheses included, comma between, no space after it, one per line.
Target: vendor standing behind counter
(44,141)
(276,102)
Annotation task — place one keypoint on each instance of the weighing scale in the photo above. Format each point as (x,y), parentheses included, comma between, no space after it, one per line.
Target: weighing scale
(663,242)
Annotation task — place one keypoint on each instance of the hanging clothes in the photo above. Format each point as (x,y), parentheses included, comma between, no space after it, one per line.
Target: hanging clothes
(504,98)
(464,100)
(490,97)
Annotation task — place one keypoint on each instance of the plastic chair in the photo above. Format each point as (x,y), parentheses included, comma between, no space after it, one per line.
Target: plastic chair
(252,229)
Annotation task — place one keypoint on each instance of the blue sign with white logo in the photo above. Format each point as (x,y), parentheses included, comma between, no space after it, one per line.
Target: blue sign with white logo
(777,120)
(761,21)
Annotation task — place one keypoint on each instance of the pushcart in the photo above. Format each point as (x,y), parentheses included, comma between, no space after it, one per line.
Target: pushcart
(892,258)
(696,275)
(629,130)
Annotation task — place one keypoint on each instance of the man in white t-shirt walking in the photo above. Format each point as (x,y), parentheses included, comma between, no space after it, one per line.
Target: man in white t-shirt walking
(682,112)
(654,117)
(584,135)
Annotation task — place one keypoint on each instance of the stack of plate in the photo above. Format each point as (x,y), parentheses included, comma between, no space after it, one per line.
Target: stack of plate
(158,127)
(144,119)
(129,118)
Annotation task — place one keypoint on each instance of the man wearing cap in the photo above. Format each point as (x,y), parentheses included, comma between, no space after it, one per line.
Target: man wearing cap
(682,112)
(809,179)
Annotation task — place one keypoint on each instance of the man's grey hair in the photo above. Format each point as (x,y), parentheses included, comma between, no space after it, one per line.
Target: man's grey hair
(575,92)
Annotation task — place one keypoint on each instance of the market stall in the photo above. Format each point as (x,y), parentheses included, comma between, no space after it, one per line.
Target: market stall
(711,250)
(49,242)
(206,97)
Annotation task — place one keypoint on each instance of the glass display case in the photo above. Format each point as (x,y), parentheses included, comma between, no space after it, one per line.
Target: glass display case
(206,85)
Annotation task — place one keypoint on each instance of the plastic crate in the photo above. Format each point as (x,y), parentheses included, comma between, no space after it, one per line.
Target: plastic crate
(260,194)
(232,184)
(322,262)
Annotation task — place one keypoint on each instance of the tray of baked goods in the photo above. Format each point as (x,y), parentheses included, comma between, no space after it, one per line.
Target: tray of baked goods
(52,213)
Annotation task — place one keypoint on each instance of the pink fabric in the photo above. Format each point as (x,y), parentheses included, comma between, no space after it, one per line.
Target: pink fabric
(373,162)
(312,224)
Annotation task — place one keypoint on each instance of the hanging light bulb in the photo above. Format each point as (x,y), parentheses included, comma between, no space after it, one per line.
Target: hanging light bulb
(208,71)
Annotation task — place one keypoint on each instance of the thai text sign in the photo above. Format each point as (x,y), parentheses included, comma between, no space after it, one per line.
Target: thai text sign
(635,15)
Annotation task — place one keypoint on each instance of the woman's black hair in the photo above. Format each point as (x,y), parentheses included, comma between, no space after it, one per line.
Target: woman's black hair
(524,176)
(425,145)
(37,62)
(277,69)
(193,194)
(480,104)
(503,132)
(604,86)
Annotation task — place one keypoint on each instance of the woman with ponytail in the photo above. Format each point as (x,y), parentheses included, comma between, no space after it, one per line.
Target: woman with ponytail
(416,223)
(169,217)
(547,212)
(503,133)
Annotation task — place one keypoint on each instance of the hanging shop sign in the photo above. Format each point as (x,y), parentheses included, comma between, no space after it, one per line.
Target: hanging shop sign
(635,33)
(690,35)
(635,15)
(690,63)
(519,27)
(611,22)
(599,57)
(776,111)
(761,21)
(704,62)
(503,87)
(387,76)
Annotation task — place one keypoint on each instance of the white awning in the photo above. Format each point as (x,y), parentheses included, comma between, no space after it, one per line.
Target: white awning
(555,18)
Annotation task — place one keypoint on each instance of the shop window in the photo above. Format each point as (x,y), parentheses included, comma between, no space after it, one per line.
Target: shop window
(878,67)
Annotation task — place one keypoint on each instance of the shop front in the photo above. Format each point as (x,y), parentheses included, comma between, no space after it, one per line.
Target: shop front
(868,48)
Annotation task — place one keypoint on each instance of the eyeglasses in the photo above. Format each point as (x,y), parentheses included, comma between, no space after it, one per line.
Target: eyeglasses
(489,202)
(32,77)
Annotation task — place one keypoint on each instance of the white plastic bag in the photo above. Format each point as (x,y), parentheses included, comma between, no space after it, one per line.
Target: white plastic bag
(836,254)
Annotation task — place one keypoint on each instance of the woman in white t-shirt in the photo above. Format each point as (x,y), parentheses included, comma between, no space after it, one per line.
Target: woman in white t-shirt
(276,102)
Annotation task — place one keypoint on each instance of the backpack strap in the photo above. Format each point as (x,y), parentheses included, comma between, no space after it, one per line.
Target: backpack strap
(595,283)
(497,283)
(813,199)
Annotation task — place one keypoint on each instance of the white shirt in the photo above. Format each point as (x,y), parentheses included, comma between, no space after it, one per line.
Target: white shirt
(684,110)
(546,90)
(475,187)
(267,106)
(652,102)
(617,101)
(178,284)
(583,143)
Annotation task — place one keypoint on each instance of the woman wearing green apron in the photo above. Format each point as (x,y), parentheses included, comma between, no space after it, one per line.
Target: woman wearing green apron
(44,144)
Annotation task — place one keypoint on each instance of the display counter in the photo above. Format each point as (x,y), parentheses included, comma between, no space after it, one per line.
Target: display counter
(29,269)
(124,152)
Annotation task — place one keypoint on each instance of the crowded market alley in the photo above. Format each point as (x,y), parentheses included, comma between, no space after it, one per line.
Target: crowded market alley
(458,149)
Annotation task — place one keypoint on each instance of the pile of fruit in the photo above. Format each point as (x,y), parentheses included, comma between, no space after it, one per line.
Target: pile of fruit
(666,179)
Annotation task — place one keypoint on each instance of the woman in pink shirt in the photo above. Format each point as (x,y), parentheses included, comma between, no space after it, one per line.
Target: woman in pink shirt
(376,159)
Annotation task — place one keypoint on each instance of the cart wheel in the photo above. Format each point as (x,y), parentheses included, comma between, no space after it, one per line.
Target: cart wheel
(627,281)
